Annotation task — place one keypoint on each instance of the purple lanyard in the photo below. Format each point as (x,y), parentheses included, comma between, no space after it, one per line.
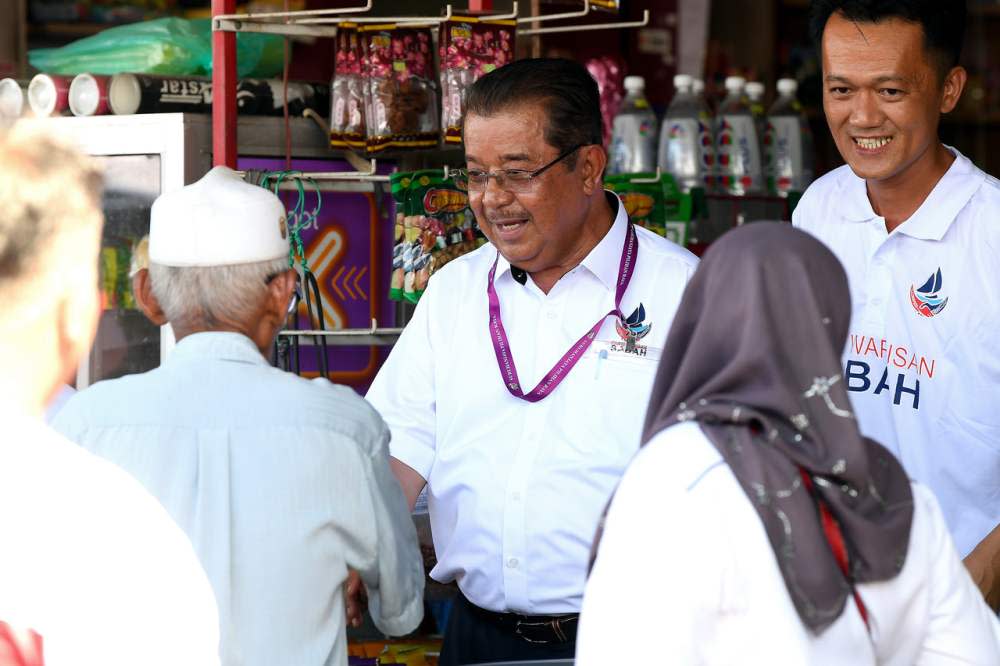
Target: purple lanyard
(501,344)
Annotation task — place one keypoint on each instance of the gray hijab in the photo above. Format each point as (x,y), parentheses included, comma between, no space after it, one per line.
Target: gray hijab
(754,357)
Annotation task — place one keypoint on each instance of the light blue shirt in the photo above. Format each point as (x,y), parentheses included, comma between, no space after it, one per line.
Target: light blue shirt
(281,483)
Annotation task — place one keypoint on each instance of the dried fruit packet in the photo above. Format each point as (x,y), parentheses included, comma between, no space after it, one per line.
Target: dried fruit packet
(469,48)
(347,91)
(400,88)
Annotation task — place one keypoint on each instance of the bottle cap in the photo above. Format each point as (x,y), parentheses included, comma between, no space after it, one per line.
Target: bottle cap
(634,83)
(787,86)
(754,90)
(735,83)
(683,81)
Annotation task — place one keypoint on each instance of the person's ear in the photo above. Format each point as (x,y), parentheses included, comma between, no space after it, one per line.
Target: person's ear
(77,314)
(279,293)
(951,90)
(594,159)
(142,289)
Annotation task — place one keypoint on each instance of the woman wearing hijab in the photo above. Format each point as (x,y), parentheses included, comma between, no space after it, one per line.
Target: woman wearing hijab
(757,525)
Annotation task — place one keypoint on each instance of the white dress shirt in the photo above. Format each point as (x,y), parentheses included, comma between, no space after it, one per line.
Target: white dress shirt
(281,483)
(927,387)
(92,563)
(685,574)
(515,489)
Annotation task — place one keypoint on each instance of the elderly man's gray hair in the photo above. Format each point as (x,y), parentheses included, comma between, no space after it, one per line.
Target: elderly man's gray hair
(204,297)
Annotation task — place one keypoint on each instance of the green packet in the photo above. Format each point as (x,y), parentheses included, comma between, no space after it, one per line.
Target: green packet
(399,187)
(656,204)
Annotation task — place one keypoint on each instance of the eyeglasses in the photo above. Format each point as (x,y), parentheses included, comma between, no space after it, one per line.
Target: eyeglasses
(510,180)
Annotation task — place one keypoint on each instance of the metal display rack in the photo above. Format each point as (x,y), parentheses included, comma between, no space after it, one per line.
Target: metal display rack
(324,23)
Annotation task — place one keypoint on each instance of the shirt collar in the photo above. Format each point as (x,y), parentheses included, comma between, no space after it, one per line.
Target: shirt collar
(218,345)
(934,217)
(602,261)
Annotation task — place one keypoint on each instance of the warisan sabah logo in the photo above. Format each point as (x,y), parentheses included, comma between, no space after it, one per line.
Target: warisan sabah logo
(927,299)
(633,328)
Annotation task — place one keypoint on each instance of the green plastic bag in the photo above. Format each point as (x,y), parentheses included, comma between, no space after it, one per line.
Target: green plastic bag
(170,46)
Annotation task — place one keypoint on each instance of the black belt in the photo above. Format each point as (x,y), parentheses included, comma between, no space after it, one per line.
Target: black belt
(543,629)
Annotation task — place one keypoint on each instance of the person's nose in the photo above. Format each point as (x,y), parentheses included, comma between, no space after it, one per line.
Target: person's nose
(495,196)
(866,111)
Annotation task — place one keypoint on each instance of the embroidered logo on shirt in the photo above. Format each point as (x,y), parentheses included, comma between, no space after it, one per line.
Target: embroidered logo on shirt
(633,328)
(927,300)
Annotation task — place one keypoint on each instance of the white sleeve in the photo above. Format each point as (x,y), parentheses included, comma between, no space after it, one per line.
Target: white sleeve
(961,628)
(650,593)
(394,573)
(403,391)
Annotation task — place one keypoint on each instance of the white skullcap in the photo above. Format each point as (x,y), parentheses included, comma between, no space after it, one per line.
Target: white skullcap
(218,221)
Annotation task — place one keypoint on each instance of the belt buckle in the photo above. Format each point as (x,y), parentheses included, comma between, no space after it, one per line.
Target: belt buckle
(519,634)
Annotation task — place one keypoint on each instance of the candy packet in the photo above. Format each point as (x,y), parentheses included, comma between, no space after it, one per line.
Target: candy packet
(399,184)
(400,88)
(469,48)
(658,205)
(347,92)
(643,200)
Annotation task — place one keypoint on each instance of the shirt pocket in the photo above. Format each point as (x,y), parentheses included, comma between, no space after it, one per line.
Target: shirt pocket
(618,385)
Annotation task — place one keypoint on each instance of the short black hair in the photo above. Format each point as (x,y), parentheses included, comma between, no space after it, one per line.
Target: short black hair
(564,88)
(943,22)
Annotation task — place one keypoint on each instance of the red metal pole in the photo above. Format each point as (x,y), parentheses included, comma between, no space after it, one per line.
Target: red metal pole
(223,90)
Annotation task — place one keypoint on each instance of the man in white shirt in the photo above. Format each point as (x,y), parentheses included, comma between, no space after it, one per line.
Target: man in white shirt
(92,569)
(517,392)
(283,484)
(915,225)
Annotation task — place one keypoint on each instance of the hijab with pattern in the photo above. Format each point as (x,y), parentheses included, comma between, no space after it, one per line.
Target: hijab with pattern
(754,357)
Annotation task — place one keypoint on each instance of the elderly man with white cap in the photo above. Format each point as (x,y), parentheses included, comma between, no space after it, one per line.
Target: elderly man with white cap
(283,484)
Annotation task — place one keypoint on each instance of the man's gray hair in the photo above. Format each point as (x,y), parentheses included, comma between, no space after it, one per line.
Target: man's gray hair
(203,297)
(47,187)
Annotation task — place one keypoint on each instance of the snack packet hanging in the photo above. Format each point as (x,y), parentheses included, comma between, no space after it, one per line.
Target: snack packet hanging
(677,210)
(643,200)
(400,95)
(469,48)
(347,92)
(420,234)
(449,218)
(399,184)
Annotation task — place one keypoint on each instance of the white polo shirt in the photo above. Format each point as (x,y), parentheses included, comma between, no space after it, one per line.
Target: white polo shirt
(923,356)
(515,489)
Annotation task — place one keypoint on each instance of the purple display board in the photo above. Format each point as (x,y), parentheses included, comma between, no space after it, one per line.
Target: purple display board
(350,251)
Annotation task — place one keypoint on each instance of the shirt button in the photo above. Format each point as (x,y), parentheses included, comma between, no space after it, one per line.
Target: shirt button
(516,497)
(512,563)
(551,315)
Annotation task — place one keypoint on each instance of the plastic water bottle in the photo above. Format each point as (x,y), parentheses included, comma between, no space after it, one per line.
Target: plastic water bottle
(686,144)
(788,146)
(633,135)
(736,145)
(755,98)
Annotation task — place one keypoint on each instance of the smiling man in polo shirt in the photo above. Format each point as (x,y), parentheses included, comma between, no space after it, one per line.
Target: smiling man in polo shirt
(917,227)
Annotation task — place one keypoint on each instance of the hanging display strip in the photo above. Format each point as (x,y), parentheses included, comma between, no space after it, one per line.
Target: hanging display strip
(653,201)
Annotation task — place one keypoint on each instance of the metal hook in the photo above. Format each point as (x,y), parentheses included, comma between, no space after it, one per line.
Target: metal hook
(655,179)
(556,17)
(594,26)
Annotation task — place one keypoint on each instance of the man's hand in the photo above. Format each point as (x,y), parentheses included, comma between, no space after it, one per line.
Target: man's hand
(355,599)
(983,564)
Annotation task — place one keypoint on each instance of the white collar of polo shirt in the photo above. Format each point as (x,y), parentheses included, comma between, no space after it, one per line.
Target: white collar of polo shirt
(934,217)
(602,261)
